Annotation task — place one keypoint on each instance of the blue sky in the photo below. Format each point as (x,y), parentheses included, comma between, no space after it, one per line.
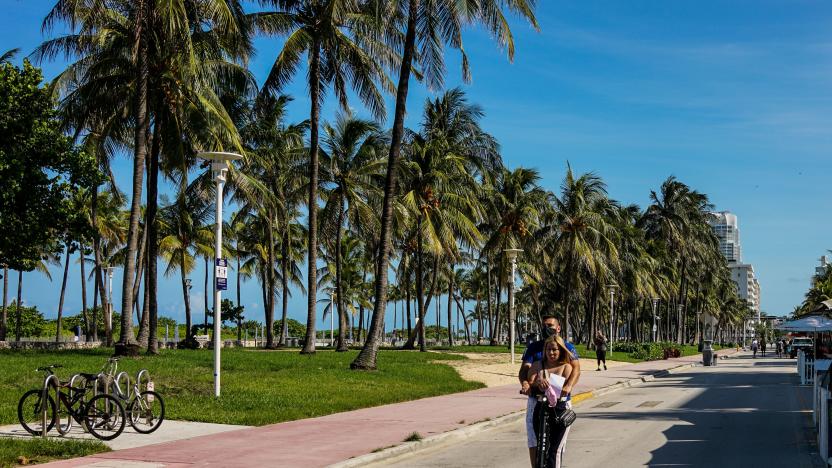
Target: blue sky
(732,97)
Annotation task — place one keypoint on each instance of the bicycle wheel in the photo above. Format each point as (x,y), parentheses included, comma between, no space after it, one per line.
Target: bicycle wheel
(146,412)
(30,412)
(104,417)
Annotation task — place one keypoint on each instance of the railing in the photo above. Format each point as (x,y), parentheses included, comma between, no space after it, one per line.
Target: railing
(805,368)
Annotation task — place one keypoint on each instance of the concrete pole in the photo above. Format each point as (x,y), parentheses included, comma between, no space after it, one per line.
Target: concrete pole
(220,179)
(511,306)
(655,328)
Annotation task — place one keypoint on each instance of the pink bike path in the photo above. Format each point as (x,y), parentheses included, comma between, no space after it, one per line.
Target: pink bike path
(322,441)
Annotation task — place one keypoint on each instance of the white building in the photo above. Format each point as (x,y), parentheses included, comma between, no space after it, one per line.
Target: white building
(748,287)
(820,270)
(726,228)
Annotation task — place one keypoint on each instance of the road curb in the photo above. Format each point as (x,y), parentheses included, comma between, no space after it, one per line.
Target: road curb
(451,436)
(429,442)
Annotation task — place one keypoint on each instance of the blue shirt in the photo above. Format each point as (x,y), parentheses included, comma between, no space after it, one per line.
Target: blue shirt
(534,352)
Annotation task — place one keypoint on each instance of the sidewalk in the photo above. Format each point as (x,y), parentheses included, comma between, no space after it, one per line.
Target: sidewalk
(322,441)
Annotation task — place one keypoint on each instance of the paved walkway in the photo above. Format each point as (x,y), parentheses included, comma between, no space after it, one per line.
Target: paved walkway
(322,441)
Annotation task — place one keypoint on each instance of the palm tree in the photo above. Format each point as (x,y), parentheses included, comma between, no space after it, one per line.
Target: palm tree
(9,55)
(117,45)
(435,24)
(584,232)
(515,206)
(439,189)
(351,165)
(182,224)
(334,35)
(270,186)
(676,217)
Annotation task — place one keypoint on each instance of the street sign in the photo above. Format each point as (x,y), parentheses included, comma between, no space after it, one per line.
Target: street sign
(221,273)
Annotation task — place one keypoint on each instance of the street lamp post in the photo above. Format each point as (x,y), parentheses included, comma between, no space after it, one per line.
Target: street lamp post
(655,328)
(109,318)
(219,166)
(331,322)
(613,287)
(512,257)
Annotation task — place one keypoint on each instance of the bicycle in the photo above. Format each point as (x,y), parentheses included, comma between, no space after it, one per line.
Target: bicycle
(145,408)
(103,415)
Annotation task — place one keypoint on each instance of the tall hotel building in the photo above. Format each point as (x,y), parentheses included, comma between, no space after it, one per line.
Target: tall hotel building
(727,229)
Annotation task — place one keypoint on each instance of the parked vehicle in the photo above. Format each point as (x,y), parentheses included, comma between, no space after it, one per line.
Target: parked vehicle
(799,342)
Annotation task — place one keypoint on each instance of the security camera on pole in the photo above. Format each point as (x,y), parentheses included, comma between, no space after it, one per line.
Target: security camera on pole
(511,254)
(219,167)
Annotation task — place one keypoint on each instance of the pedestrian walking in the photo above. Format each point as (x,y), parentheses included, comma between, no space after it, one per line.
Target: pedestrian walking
(547,378)
(754,347)
(763,346)
(779,348)
(600,350)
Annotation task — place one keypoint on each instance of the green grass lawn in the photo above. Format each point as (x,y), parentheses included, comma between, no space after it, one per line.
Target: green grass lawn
(258,387)
(38,450)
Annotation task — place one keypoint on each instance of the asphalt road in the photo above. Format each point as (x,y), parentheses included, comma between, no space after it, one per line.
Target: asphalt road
(744,413)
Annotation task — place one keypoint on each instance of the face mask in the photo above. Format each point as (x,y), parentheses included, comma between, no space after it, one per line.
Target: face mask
(549,331)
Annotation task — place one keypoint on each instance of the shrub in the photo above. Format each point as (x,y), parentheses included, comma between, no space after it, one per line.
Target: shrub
(32,323)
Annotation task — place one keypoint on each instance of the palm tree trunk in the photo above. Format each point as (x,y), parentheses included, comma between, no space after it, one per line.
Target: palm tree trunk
(450,304)
(366,359)
(63,292)
(478,308)
(185,295)
(151,281)
(265,283)
(144,335)
(94,311)
(96,252)
(407,305)
(496,330)
(271,288)
(140,276)
(140,151)
(239,322)
(284,268)
(461,311)
(488,304)
(420,293)
(565,333)
(342,314)
(84,314)
(312,283)
(4,318)
(438,334)
(19,299)
(682,293)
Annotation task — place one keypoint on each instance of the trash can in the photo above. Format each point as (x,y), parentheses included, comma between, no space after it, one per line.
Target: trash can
(707,353)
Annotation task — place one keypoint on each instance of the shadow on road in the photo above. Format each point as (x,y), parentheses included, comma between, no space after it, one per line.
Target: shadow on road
(755,419)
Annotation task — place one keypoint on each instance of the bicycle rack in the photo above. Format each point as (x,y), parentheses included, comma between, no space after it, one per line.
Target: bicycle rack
(146,375)
(45,399)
